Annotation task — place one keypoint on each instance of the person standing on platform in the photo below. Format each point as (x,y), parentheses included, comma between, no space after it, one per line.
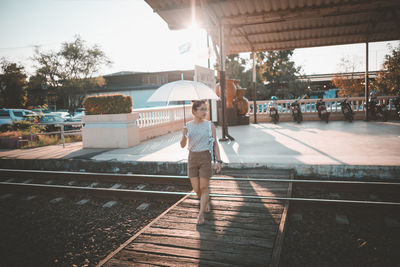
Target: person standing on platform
(203,148)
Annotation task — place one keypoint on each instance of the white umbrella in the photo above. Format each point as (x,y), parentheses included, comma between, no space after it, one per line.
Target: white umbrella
(183,90)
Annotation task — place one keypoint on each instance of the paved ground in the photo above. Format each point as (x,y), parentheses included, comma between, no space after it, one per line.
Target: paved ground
(284,145)
(357,143)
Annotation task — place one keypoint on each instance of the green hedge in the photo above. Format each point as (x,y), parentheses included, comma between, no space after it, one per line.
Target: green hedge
(16,126)
(107,104)
(21,125)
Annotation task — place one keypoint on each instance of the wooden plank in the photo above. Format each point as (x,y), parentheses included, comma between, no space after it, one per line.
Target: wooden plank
(215,217)
(237,206)
(224,202)
(218,211)
(266,242)
(214,255)
(252,181)
(126,263)
(243,184)
(238,231)
(234,188)
(226,226)
(113,253)
(131,258)
(259,225)
(263,184)
(249,178)
(198,243)
(235,209)
(278,244)
(250,192)
(254,172)
(241,199)
(221,230)
(222,215)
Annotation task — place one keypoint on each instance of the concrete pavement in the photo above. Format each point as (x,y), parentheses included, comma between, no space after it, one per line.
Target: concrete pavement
(341,149)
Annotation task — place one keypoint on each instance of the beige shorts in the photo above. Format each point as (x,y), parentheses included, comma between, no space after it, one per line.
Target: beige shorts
(199,164)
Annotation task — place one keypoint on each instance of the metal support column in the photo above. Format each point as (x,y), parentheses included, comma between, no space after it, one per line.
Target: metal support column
(208,65)
(366,82)
(254,88)
(225,134)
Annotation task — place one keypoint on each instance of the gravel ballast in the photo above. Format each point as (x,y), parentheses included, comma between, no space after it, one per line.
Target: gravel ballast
(39,232)
(341,237)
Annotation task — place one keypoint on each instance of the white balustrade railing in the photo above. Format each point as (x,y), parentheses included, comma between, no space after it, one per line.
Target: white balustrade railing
(161,115)
(309,105)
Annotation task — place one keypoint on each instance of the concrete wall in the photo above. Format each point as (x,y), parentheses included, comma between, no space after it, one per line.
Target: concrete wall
(158,130)
(372,173)
(110,131)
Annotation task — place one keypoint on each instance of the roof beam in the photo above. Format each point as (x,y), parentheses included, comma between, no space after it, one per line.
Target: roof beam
(244,35)
(362,34)
(210,13)
(311,42)
(330,26)
(306,12)
(387,14)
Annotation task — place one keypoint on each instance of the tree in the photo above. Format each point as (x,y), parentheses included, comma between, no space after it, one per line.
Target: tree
(236,69)
(279,74)
(388,80)
(37,91)
(349,83)
(235,66)
(12,85)
(275,75)
(69,72)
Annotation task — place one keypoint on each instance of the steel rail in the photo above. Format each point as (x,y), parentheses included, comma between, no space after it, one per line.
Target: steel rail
(178,177)
(131,193)
(98,192)
(90,176)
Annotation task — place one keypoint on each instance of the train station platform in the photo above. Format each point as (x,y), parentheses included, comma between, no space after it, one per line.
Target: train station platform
(337,149)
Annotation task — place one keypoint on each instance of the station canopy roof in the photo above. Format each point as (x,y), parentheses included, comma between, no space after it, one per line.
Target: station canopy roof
(263,25)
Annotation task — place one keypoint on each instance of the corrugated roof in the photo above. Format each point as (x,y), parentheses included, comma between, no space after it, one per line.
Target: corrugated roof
(262,25)
(329,76)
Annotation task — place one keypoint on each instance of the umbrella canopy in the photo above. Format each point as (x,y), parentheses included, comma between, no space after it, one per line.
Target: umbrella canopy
(183,90)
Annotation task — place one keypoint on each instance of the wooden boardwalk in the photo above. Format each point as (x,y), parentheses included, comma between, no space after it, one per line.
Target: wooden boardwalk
(237,232)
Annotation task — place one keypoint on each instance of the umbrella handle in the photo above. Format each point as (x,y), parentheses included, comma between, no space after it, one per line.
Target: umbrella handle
(184,114)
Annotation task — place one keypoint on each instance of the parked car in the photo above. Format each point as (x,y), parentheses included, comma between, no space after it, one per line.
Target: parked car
(79,111)
(53,120)
(63,114)
(76,118)
(40,111)
(8,116)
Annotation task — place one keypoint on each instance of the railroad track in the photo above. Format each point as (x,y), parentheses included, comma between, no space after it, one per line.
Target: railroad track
(163,187)
(94,184)
(170,188)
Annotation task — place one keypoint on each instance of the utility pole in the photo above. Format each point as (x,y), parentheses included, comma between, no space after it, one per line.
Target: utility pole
(366,82)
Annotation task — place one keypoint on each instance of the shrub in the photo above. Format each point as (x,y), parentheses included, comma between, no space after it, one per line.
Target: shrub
(5,128)
(48,140)
(16,126)
(11,134)
(20,125)
(107,104)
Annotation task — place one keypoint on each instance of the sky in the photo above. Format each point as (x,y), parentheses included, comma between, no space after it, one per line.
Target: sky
(137,39)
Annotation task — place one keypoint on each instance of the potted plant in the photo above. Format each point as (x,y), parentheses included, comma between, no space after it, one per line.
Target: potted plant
(109,122)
